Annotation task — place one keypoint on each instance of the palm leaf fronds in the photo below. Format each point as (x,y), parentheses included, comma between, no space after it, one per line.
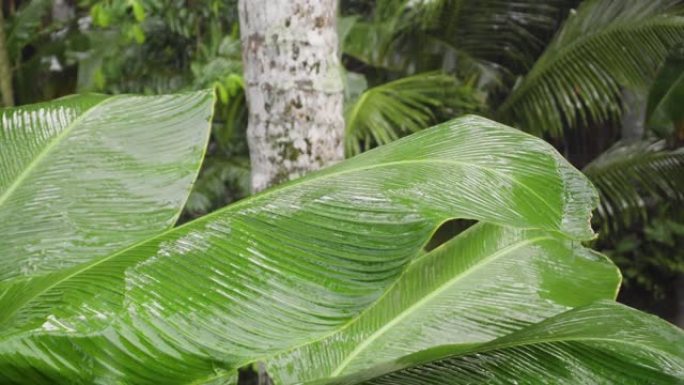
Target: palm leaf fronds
(383,113)
(505,32)
(631,178)
(604,45)
(25,23)
(664,112)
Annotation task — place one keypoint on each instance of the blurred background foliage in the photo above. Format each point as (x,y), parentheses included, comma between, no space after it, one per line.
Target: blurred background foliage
(602,80)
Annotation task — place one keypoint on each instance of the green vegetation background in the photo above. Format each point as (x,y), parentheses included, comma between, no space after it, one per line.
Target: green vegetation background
(406,67)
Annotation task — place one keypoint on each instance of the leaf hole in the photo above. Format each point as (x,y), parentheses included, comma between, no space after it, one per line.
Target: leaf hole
(448,230)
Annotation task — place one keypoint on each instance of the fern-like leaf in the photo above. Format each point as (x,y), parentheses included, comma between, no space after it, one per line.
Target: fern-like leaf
(384,113)
(604,45)
(631,178)
(504,32)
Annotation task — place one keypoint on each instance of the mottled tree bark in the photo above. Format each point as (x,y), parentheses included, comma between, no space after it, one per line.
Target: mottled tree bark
(5,67)
(293,87)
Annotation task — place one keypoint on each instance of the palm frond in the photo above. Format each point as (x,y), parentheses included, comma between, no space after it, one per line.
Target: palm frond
(664,112)
(631,178)
(499,31)
(604,45)
(25,23)
(371,43)
(403,32)
(369,39)
(384,113)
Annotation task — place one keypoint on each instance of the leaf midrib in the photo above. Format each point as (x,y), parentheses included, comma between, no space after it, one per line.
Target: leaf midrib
(49,147)
(532,342)
(420,303)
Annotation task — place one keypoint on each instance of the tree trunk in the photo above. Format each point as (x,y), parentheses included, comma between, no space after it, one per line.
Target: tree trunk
(294,87)
(5,67)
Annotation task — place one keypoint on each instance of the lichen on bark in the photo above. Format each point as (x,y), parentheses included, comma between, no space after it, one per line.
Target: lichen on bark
(294,87)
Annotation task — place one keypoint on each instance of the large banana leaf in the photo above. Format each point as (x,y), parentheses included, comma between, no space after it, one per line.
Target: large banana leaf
(604,45)
(481,285)
(604,343)
(294,264)
(83,177)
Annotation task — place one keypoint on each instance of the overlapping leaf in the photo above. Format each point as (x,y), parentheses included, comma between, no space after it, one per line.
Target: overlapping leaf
(604,343)
(286,267)
(483,284)
(83,177)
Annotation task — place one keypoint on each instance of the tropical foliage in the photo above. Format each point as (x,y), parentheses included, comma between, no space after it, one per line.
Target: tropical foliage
(556,70)
(632,177)
(383,113)
(604,45)
(85,277)
(659,273)
(324,279)
(559,350)
(559,70)
(151,47)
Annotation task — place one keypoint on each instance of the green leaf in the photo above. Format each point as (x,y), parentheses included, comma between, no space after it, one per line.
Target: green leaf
(285,267)
(102,15)
(483,284)
(344,26)
(510,33)
(604,45)
(604,343)
(25,24)
(633,177)
(403,33)
(371,43)
(666,96)
(136,33)
(383,113)
(85,176)
(354,85)
(138,10)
